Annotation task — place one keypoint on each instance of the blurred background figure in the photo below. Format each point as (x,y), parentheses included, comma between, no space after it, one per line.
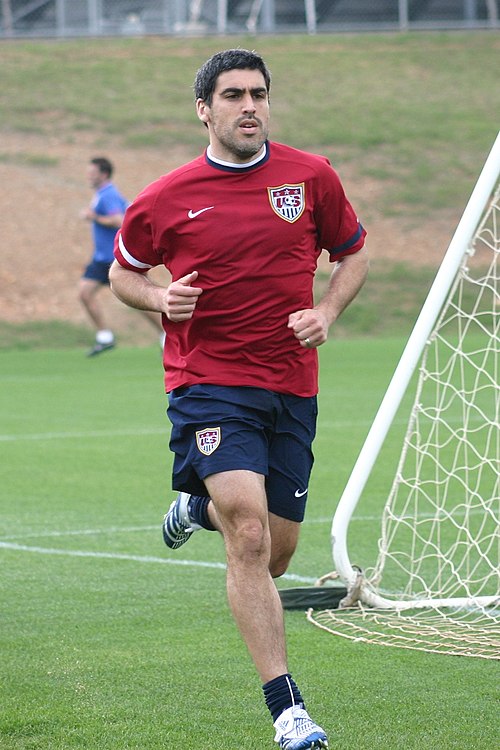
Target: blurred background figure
(105,212)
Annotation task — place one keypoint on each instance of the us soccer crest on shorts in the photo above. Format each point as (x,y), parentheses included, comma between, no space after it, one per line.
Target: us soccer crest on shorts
(288,201)
(208,440)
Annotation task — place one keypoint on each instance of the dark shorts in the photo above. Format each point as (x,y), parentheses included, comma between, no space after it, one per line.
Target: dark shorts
(218,428)
(97,271)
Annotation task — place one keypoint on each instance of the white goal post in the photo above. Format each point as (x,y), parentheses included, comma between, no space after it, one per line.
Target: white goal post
(454,457)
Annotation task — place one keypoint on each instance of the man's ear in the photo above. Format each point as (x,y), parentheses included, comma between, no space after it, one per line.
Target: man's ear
(202,110)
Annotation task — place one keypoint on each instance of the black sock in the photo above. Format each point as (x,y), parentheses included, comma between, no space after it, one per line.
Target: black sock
(198,512)
(280,694)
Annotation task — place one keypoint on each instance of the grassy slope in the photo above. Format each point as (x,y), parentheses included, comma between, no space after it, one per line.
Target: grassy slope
(423,107)
(417,113)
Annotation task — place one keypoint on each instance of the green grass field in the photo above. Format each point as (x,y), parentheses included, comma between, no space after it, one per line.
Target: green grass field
(110,641)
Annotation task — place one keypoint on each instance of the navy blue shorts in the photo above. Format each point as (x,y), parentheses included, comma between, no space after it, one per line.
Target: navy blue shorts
(218,428)
(97,271)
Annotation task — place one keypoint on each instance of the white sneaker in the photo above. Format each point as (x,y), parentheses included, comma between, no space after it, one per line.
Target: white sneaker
(295,730)
(177,525)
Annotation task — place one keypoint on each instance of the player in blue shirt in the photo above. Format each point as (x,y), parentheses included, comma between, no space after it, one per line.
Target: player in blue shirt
(106,212)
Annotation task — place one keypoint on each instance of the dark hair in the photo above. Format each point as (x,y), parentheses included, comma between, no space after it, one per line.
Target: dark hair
(229,59)
(103,164)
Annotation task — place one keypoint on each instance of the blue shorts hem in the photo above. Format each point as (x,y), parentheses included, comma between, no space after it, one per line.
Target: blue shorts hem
(97,271)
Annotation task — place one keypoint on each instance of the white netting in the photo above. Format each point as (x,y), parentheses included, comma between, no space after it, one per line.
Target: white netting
(440,537)
(457,632)
(441,521)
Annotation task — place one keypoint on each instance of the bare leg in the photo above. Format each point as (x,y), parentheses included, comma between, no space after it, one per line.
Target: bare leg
(88,290)
(240,502)
(284,538)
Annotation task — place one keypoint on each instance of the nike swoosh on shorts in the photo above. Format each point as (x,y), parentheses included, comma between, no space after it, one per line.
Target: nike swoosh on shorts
(299,493)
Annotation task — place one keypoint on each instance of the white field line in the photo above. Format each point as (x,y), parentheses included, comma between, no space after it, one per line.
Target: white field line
(134,558)
(84,434)
(83,532)
(128,529)
(131,431)
(13,545)
(108,555)
(39,533)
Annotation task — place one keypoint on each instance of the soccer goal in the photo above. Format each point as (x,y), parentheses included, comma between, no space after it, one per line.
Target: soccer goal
(436,583)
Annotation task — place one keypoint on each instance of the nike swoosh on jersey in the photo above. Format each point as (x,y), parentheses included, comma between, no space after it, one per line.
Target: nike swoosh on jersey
(192,214)
(298,493)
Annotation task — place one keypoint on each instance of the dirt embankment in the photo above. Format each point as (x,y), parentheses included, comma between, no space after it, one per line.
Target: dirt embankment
(45,244)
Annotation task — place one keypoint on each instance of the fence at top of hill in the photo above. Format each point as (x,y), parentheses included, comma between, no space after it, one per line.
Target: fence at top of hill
(70,18)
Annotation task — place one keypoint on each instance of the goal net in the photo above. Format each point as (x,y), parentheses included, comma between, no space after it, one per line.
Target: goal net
(436,583)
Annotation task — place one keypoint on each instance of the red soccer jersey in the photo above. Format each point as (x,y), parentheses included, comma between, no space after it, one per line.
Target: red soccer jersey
(254,234)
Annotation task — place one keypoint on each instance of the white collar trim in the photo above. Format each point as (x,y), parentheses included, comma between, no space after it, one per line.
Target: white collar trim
(238,166)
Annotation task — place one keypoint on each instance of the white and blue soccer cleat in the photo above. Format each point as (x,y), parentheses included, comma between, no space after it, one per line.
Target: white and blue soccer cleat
(295,730)
(177,525)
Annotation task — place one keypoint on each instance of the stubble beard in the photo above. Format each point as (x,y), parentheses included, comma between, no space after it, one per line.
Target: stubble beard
(239,147)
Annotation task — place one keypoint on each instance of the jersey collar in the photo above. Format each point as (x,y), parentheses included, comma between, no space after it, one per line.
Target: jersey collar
(227,166)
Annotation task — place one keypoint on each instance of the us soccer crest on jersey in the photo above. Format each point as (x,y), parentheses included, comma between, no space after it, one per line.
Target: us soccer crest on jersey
(288,201)
(208,440)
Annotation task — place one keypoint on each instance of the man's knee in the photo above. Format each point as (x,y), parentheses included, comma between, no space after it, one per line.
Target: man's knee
(247,541)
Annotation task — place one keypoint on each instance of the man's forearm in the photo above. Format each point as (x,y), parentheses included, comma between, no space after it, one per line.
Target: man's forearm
(111,221)
(135,289)
(346,280)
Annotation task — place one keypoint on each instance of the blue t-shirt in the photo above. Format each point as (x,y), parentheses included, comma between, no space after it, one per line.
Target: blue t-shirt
(107,201)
